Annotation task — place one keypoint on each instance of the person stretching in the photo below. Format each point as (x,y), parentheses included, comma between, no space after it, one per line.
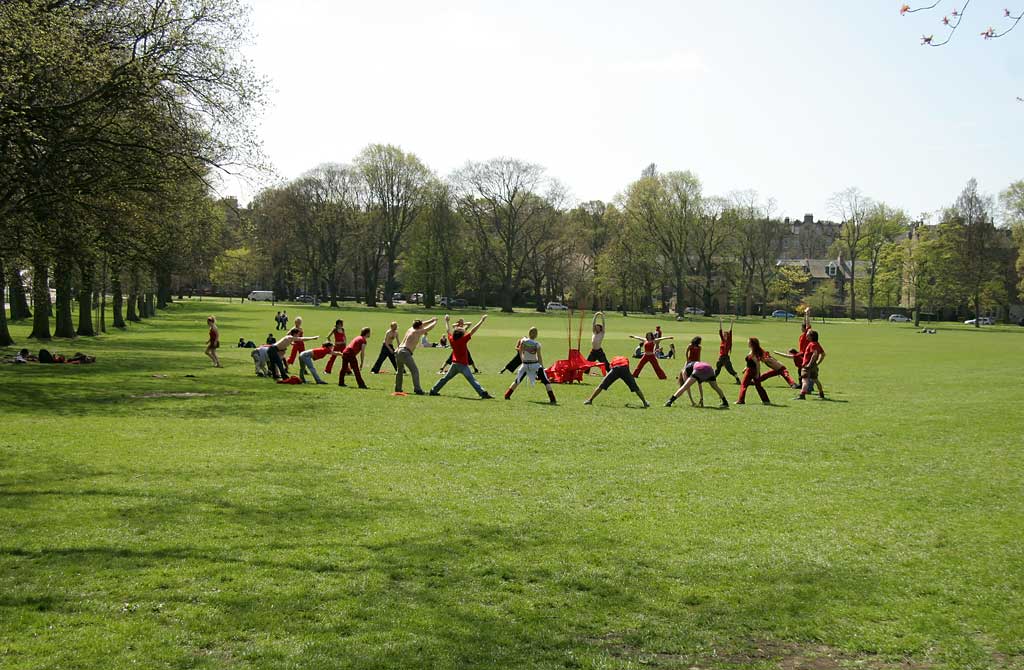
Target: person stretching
(697,372)
(387,349)
(776,368)
(596,354)
(460,358)
(404,354)
(798,361)
(724,349)
(751,374)
(693,350)
(299,344)
(532,365)
(337,335)
(307,357)
(447,337)
(213,343)
(349,361)
(813,356)
(277,350)
(650,343)
(619,370)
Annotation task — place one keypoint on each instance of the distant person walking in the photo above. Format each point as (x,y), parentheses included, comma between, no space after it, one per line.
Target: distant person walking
(387,349)
(213,343)
(405,352)
(460,358)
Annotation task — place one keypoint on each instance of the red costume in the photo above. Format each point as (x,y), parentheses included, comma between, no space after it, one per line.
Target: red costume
(349,362)
(649,357)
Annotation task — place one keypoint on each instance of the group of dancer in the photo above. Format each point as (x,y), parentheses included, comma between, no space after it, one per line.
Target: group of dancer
(274,358)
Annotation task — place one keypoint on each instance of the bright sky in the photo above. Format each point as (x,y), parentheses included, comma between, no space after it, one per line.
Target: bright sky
(794,99)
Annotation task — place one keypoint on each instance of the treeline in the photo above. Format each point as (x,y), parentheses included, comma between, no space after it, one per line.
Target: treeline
(501,232)
(114,115)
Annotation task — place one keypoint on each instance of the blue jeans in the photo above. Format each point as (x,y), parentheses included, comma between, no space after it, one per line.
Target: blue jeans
(455,369)
(306,361)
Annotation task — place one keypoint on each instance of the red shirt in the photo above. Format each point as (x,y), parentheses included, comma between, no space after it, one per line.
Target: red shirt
(798,359)
(812,347)
(619,362)
(355,346)
(214,336)
(649,347)
(693,353)
(726,346)
(801,343)
(320,352)
(460,349)
(339,338)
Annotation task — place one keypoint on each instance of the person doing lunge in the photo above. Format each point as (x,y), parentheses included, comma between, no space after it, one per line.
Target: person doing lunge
(724,349)
(307,357)
(619,370)
(531,365)
(776,368)
(752,372)
(700,373)
(650,344)
(349,362)
(387,349)
(460,358)
(404,354)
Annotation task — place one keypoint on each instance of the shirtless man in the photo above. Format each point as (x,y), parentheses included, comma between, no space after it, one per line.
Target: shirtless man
(387,349)
(404,354)
(596,354)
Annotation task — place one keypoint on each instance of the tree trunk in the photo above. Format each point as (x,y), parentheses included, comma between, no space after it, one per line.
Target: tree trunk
(5,335)
(679,293)
(118,297)
(150,305)
(163,290)
(332,288)
(64,326)
(389,283)
(140,306)
(85,325)
(537,291)
(40,300)
(132,302)
(19,301)
(103,297)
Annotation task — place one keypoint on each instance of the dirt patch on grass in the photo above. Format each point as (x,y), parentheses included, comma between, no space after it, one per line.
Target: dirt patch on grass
(760,654)
(181,394)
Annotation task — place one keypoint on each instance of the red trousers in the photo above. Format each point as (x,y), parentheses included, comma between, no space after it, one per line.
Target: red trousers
(298,346)
(653,360)
(771,373)
(349,363)
(747,380)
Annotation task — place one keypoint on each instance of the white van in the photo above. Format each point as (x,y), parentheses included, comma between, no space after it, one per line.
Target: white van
(261,295)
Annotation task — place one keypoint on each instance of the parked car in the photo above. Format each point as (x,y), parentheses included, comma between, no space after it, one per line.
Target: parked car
(303,298)
(694,310)
(783,314)
(898,318)
(458,302)
(416,298)
(981,321)
(397,297)
(555,307)
(261,295)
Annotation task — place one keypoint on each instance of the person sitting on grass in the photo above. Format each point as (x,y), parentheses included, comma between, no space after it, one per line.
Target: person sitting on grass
(697,372)
(461,359)
(242,344)
(307,357)
(619,370)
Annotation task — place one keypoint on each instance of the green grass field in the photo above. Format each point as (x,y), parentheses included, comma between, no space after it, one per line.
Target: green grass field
(257,525)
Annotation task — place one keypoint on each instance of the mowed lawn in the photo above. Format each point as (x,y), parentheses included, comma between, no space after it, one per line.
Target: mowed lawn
(256,525)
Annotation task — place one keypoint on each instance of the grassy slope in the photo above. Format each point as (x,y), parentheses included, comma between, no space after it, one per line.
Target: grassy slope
(270,526)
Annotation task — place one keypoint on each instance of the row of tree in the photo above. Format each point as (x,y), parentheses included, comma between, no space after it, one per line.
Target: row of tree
(114,115)
(500,232)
